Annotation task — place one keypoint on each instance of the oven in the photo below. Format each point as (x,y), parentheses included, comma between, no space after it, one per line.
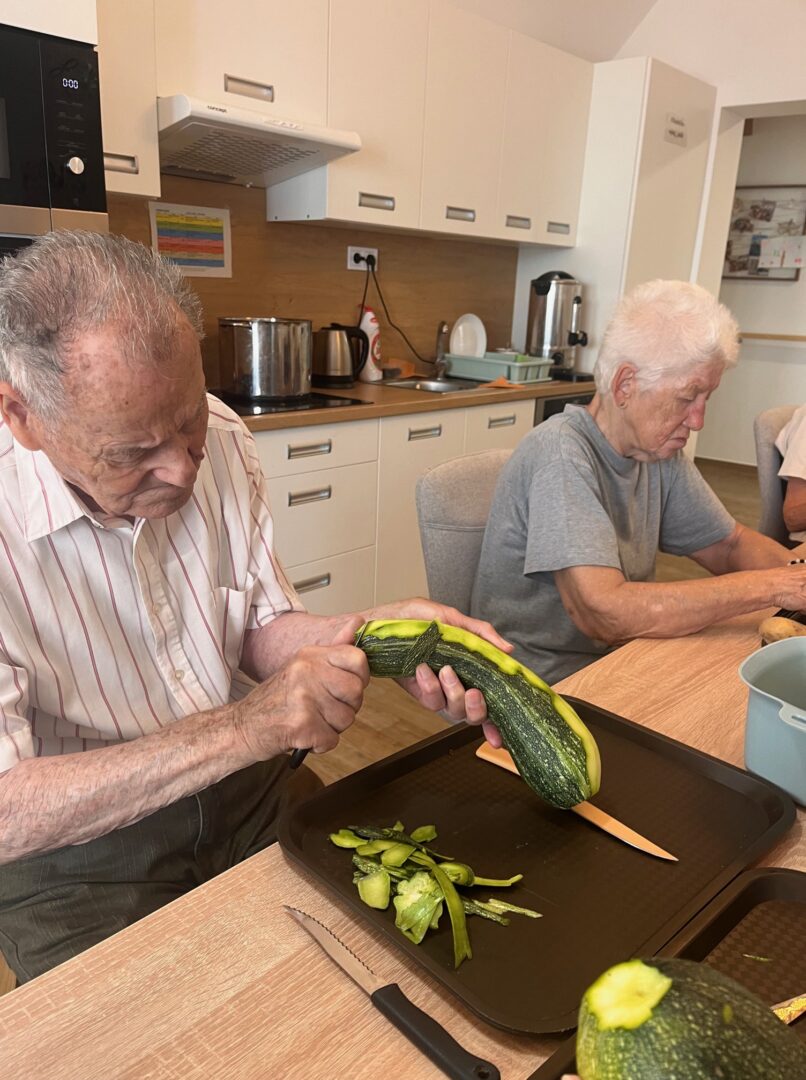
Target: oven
(51,153)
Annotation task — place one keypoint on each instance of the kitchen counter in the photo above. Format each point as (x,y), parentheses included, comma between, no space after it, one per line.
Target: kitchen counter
(383,400)
(222,983)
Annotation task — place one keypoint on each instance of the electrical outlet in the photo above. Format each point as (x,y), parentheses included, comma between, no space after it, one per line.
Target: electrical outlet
(359,264)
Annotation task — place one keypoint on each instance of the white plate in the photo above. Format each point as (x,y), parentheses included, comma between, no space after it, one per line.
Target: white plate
(468,337)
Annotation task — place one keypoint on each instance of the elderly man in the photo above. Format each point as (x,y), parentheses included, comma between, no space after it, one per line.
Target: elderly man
(140,595)
(589,497)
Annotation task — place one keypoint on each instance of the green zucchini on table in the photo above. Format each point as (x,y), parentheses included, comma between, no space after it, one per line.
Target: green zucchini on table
(663,1018)
(555,753)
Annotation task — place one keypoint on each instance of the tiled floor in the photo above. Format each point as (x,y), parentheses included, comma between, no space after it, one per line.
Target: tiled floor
(390,720)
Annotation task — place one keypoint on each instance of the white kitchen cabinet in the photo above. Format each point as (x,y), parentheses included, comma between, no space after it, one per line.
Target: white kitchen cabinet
(542,156)
(290,451)
(338,583)
(464,117)
(641,191)
(497,427)
(376,86)
(323,513)
(128,77)
(408,446)
(266,55)
(74,20)
(322,482)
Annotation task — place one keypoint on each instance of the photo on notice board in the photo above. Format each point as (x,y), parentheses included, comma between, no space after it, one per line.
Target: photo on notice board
(766,237)
(196,238)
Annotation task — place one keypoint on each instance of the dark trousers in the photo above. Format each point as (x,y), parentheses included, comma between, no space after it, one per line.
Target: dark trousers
(56,905)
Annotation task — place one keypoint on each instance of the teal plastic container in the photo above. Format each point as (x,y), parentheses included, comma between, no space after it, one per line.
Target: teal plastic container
(775,732)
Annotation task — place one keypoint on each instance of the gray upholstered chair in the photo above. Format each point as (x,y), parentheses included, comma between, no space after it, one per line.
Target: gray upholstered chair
(766,427)
(453,504)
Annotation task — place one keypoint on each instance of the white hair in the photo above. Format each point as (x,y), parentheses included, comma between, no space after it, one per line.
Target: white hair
(69,282)
(664,329)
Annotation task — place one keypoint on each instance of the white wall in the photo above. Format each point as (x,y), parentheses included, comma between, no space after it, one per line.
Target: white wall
(769,372)
(774,154)
(753,54)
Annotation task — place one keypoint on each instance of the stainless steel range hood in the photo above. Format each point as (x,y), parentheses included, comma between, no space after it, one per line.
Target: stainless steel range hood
(242,146)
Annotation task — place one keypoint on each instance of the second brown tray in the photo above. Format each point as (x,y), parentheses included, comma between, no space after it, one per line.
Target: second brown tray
(754,931)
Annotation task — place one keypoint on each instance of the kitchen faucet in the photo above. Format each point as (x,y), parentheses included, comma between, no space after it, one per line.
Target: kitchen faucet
(440,364)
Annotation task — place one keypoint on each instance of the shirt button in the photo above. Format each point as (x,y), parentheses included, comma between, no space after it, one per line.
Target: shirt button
(155,609)
(179,675)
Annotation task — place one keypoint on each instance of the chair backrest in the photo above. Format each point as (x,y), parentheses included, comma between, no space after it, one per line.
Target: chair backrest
(766,428)
(453,504)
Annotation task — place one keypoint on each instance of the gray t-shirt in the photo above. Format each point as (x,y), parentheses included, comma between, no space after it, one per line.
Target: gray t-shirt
(567,498)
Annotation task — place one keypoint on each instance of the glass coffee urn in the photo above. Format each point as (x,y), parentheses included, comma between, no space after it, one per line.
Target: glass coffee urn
(553,325)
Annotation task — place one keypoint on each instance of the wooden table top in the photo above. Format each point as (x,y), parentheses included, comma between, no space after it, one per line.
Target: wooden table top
(222,983)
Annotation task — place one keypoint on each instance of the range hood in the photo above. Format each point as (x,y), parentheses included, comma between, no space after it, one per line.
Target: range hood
(241,146)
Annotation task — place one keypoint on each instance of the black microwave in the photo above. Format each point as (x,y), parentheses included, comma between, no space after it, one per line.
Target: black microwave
(51,152)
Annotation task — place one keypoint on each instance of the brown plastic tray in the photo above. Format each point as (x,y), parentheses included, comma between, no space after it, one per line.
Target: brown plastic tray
(754,931)
(601,900)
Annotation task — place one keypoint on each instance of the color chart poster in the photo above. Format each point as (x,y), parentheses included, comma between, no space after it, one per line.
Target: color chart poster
(196,238)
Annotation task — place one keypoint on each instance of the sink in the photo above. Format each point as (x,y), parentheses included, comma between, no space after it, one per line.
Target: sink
(432,386)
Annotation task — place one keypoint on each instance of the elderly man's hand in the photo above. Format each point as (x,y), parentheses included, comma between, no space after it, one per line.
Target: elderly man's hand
(444,692)
(309,702)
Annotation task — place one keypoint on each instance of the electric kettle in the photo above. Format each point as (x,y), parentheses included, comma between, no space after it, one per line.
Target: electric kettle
(339,353)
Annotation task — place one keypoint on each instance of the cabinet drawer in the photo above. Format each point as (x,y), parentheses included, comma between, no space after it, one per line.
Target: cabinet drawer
(321,446)
(324,513)
(498,427)
(336,584)
(409,445)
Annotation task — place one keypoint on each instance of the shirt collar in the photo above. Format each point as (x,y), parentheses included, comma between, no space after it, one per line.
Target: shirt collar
(48,503)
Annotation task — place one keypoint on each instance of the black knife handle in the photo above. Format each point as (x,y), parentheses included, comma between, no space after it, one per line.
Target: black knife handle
(297,758)
(431,1037)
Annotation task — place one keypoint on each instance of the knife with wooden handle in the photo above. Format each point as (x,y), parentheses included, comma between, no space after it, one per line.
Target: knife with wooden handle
(602,820)
(426,1033)
(791,1009)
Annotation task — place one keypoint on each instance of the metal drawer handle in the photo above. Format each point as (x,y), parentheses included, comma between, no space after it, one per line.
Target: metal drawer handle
(376,202)
(310,450)
(125,163)
(501,421)
(558,227)
(459,213)
(300,498)
(425,433)
(515,222)
(311,583)
(248,88)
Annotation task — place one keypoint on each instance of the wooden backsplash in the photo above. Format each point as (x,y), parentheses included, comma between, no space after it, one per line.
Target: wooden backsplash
(300,271)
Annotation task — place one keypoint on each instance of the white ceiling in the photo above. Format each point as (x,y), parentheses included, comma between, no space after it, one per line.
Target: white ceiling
(594,29)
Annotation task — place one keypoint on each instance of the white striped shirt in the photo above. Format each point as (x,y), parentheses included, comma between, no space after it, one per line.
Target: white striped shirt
(110,630)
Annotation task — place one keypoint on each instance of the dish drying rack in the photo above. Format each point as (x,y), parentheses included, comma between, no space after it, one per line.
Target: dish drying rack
(511,366)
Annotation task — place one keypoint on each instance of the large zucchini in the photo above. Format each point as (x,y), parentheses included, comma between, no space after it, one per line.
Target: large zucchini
(555,753)
(664,1018)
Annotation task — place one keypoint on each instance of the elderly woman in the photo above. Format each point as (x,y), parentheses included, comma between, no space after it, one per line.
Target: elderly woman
(589,498)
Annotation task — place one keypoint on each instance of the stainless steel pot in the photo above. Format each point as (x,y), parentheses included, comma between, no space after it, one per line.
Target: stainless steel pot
(265,358)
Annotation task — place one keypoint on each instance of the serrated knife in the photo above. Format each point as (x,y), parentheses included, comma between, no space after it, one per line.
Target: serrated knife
(420,1028)
(602,820)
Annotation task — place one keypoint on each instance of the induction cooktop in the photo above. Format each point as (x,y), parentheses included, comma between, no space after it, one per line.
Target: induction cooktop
(265,406)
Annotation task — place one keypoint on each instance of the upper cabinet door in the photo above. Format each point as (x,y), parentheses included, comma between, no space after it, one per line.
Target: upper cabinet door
(128,96)
(377,88)
(464,116)
(268,55)
(547,106)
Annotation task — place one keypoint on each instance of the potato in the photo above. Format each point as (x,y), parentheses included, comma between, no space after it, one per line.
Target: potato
(777,628)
